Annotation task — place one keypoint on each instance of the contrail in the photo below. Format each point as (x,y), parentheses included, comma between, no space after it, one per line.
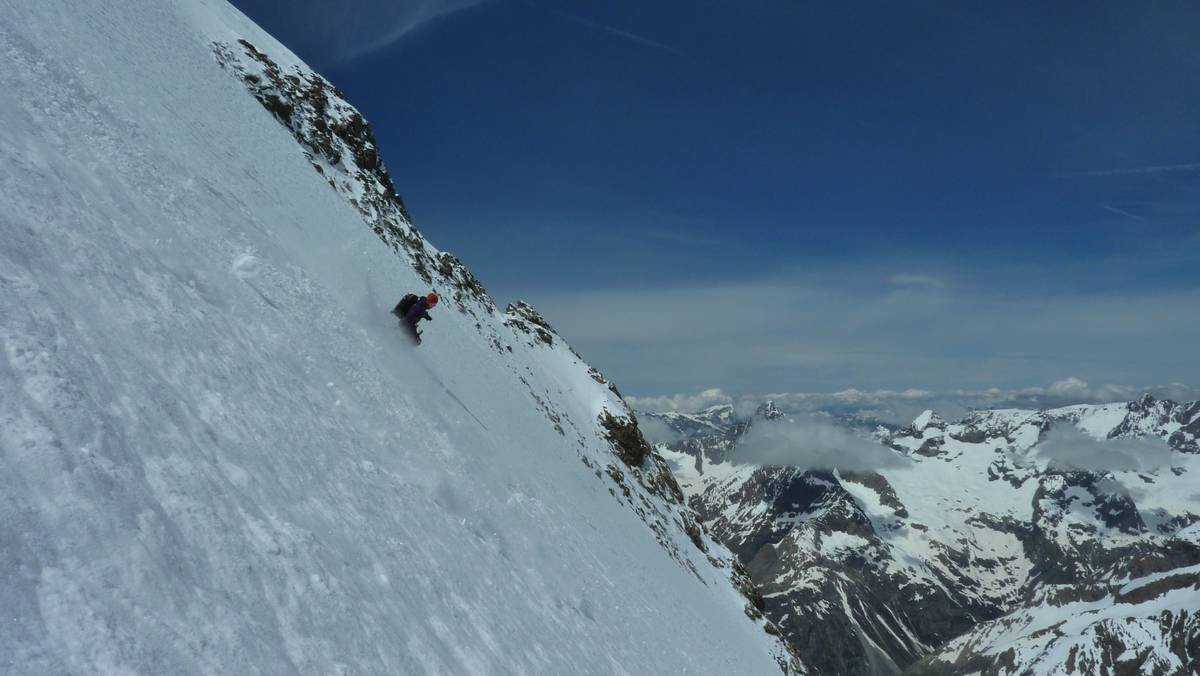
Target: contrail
(632,37)
(1133,171)
(1121,212)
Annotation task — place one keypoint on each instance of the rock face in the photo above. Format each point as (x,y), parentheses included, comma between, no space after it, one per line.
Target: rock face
(340,146)
(978,551)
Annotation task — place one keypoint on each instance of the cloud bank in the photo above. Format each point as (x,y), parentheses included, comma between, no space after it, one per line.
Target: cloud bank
(681,403)
(899,407)
(1068,448)
(904,330)
(813,443)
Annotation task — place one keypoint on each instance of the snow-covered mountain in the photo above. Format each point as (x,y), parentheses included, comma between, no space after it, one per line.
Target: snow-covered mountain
(217,453)
(709,435)
(1063,541)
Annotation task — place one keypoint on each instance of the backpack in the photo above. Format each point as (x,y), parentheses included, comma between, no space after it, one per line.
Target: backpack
(405,303)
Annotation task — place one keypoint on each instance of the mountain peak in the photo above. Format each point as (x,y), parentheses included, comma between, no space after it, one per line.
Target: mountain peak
(768,411)
(928,419)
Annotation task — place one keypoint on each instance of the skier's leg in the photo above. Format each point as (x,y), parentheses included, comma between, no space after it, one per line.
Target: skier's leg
(412,333)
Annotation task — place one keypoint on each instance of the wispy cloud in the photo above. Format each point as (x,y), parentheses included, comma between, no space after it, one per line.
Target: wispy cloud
(1121,212)
(813,443)
(1133,171)
(400,18)
(908,279)
(339,32)
(611,30)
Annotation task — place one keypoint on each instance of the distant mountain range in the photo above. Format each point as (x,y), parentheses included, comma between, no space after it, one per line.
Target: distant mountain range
(1060,541)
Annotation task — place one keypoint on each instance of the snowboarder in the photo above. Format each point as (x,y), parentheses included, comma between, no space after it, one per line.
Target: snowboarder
(412,309)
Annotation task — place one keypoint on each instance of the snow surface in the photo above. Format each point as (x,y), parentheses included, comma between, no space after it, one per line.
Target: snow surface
(1099,421)
(1045,639)
(922,421)
(216,453)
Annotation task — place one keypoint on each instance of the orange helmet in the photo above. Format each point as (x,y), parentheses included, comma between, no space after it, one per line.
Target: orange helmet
(432,299)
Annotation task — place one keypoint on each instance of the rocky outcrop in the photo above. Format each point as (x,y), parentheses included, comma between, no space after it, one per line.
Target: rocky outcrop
(341,147)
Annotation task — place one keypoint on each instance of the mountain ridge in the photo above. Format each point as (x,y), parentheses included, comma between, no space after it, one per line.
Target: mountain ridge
(936,564)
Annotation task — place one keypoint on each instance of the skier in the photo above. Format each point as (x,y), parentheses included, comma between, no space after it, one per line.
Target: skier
(412,309)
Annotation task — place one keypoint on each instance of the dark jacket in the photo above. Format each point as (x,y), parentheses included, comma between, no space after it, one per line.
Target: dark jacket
(418,311)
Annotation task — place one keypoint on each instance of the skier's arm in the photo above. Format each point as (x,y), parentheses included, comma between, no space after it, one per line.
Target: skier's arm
(414,313)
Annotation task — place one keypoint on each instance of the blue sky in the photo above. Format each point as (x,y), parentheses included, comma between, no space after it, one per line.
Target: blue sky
(782,196)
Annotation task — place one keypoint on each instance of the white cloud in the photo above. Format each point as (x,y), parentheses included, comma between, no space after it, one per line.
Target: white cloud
(744,407)
(1067,447)
(879,395)
(1078,389)
(813,443)
(1068,386)
(684,403)
(657,431)
(901,406)
(1111,486)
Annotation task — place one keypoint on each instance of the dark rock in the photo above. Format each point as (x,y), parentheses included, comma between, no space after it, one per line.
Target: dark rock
(626,438)
(970,435)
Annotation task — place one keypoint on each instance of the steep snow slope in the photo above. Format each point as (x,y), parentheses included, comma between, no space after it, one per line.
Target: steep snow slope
(217,455)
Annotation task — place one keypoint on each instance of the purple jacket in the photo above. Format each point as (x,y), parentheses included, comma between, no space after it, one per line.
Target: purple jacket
(418,311)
